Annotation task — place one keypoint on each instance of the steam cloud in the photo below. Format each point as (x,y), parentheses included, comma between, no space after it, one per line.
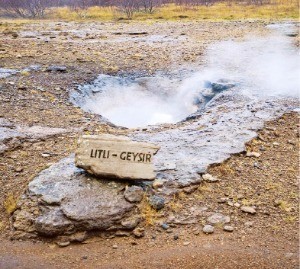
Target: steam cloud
(263,66)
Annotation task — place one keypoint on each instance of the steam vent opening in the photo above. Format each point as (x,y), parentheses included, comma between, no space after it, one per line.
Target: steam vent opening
(138,102)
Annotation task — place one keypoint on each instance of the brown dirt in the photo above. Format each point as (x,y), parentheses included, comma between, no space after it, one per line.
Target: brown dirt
(268,182)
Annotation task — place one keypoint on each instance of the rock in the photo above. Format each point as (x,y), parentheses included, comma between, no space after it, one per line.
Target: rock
(18,169)
(228,228)
(70,201)
(137,33)
(157,183)
(79,237)
(157,202)
(175,237)
(4,72)
(237,205)
(221,86)
(249,223)
(56,68)
(291,33)
(122,233)
(218,218)
(248,209)
(208,229)
(63,244)
(252,154)
(130,223)
(210,178)
(168,166)
(277,202)
(134,194)
(116,156)
(186,243)
(139,232)
(11,135)
(222,200)
(165,226)
(190,189)
(115,246)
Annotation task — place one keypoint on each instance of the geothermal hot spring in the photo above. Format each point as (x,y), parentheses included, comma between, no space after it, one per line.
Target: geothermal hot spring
(255,68)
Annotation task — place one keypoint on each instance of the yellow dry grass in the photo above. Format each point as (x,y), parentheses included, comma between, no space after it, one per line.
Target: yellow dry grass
(221,11)
(10,203)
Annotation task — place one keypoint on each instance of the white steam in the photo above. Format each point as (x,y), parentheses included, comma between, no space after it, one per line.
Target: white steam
(267,66)
(263,67)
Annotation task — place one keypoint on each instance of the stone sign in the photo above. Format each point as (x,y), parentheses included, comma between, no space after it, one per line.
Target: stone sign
(115,156)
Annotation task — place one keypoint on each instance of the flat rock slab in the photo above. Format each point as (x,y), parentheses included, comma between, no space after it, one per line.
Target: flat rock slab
(12,135)
(116,156)
(63,199)
(227,123)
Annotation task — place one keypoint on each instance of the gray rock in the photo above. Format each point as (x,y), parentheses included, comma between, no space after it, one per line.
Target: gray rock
(228,228)
(11,134)
(249,223)
(71,202)
(248,209)
(56,68)
(165,226)
(157,202)
(218,218)
(208,229)
(221,86)
(130,223)
(4,72)
(134,194)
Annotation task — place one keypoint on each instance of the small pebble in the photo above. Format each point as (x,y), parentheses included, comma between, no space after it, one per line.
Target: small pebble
(210,178)
(228,228)
(249,223)
(165,226)
(176,237)
(248,209)
(208,229)
(115,246)
(253,154)
(186,243)
(63,244)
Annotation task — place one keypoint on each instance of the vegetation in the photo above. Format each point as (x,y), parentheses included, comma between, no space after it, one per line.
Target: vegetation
(10,203)
(105,10)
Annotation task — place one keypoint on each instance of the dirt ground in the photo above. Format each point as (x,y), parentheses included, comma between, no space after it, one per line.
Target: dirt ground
(267,239)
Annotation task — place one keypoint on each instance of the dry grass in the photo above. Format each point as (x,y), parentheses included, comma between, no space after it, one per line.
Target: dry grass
(221,11)
(10,203)
(149,214)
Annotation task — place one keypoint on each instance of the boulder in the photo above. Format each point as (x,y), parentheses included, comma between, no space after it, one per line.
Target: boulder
(66,200)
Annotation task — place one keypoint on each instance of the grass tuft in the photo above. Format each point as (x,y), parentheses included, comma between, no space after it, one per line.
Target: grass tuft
(10,203)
